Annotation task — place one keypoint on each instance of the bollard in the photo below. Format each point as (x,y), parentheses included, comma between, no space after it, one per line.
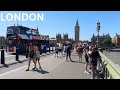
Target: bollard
(2,57)
(49,49)
(17,54)
(45,50)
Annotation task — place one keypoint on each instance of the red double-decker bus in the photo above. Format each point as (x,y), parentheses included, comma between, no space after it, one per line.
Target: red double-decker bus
(20,36)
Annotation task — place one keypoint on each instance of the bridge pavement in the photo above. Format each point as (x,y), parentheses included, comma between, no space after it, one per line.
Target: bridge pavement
(52,68)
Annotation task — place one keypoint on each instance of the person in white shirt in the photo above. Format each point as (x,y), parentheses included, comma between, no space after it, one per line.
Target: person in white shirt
(56,51)
(37,56)
(65,49)
(61,49)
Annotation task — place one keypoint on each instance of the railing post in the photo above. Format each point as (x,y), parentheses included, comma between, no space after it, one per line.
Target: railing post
(106,73)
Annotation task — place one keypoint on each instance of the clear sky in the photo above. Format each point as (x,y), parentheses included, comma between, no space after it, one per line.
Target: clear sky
(64,22)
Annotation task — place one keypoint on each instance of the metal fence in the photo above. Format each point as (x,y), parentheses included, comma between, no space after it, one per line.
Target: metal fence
(109,69)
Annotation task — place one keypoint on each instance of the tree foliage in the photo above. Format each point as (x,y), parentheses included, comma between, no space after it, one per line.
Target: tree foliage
(107,42)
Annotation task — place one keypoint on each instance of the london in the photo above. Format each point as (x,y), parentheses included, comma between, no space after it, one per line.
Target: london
(21,17)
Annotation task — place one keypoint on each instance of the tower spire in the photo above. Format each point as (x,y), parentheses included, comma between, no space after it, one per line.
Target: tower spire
(37,32)
(77,24)
(37,27)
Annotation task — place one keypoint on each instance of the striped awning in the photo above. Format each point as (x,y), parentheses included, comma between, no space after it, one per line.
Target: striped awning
(23,36)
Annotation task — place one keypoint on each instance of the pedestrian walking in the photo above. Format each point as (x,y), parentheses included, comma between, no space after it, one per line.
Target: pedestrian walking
(65,49)
(37,57)
(31,56)
(61,49)
(95,57)
(80,52)
(27,51)
(68,53)
(56,51)
(86,55)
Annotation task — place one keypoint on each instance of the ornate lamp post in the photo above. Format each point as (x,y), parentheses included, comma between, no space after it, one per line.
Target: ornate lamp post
(98,29)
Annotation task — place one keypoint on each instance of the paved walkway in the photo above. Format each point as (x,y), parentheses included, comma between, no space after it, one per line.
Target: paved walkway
(52,68)
(10,59)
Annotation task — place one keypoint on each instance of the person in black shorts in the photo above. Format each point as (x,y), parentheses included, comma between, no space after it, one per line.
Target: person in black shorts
(31,57)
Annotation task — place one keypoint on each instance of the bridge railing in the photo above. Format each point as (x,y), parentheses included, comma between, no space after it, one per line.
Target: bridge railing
(110,70)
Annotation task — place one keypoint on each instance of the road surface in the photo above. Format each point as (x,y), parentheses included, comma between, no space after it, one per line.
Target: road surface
(52,68)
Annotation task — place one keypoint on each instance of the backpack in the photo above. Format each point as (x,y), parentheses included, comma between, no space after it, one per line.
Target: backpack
(80,49)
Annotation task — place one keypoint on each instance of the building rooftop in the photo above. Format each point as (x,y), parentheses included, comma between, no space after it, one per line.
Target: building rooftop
(52,38)
(102,36)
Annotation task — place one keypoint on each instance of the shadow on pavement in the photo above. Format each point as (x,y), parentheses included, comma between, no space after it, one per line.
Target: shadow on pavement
(41,71)
(4,65)
(76,62)
(18,62)
(7,65)
(60,57)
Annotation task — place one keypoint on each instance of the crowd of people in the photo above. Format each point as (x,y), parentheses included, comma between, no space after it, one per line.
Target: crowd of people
(91,55)
(89,52)
(65,50)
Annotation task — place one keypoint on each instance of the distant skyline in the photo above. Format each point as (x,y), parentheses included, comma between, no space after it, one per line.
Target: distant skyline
(64,22)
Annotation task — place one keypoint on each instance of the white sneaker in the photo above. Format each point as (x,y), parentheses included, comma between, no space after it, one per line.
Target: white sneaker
(88,73)
(92,78)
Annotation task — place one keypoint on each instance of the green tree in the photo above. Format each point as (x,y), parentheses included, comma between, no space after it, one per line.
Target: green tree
(107,42)
(113,44)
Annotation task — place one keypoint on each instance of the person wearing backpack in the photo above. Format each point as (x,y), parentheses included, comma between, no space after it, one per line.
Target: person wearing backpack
(80,52)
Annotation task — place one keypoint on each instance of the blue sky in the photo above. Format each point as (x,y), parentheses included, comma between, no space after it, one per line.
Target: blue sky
(64,22)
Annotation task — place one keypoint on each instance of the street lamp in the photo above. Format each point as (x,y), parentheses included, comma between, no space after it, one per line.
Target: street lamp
(98,29)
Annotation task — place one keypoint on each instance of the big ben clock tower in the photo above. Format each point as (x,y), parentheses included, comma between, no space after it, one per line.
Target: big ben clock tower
(77,31)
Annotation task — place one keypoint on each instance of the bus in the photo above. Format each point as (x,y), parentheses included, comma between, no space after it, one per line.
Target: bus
(20,36)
